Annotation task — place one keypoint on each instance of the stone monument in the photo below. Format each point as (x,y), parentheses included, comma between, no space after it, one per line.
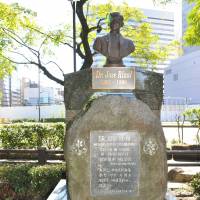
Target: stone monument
(115,146)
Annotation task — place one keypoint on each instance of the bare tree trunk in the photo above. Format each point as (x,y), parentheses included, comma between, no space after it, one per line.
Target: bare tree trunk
(84,35)
(198,138)
(178,126)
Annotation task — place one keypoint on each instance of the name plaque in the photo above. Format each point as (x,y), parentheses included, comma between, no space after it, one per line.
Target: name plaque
(113,78)
(114,160)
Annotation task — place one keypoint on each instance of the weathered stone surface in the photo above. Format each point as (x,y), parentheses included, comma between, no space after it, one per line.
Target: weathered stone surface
(78,89)
(117,113)
(179,175)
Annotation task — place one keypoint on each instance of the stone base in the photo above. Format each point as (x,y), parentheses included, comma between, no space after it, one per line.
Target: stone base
(60,192)
(106,120)
(78,89)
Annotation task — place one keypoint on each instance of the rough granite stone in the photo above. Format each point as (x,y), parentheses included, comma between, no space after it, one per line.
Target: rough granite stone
(78,89)
(116,113)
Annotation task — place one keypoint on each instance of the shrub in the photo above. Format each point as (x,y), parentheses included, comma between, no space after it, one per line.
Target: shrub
(32,135)
(18,178)
(193,116)
(6,192)
(43,178)
(28,181)
(53,120)
(23,120)
(195,184)
(42,120)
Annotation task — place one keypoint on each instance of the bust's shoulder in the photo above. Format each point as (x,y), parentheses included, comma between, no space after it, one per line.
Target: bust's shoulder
(128,40)
(102,38)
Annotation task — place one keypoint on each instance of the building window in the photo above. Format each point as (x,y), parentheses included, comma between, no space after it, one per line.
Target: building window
(175,77)
(168,71)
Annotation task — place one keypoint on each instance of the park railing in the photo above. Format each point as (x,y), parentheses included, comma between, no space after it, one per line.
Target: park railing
(43,156)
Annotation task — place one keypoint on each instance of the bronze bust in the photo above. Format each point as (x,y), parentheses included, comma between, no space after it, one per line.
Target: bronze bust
(113,45)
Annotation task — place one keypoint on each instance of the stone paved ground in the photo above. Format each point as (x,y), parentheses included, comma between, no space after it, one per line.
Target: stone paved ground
(182,191)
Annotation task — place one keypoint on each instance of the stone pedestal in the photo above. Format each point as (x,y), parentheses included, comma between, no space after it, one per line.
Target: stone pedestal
(115,150)
(78,89)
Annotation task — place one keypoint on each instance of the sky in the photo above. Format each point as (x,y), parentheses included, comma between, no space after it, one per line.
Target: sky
(54,12)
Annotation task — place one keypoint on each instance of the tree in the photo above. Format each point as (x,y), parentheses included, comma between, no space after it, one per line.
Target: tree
(11,17)
(149,52)
(192,34)
(162,1)
(193,116)
(24,42)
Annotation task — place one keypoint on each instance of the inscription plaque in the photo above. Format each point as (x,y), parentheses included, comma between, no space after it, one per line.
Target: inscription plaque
(114,160)
(113,78)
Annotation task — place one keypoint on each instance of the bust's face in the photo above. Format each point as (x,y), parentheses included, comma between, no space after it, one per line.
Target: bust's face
(115,25)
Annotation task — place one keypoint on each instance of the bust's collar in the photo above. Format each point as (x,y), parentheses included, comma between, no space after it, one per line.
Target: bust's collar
(110,34)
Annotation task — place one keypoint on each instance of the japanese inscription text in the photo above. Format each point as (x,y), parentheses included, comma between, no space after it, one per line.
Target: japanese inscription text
(114,160)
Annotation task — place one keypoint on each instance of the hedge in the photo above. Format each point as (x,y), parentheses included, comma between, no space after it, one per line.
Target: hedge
(195,184)
(42,120)
(28,181)
(32,135)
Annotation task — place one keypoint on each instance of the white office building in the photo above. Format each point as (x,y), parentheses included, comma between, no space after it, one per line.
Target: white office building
(33,95)
(182,77)
(10,93)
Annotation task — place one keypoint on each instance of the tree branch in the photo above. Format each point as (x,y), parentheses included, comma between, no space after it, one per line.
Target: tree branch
(88,60)
(42,33)
(15,52)
(19,40)
(78,50)
(42,44)
(97,26)
(39,64)
(47,73)
(56,65)
(15,62)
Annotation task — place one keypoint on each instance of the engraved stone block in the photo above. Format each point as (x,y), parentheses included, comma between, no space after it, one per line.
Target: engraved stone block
(115,150)
(114,161)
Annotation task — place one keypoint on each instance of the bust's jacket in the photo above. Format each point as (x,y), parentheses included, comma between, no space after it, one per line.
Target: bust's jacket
(101,45)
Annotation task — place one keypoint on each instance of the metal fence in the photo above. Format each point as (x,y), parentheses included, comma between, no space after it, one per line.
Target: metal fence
(43,156)
(173,107)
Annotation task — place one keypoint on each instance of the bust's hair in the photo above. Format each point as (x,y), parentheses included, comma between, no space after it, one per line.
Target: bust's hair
(116,16)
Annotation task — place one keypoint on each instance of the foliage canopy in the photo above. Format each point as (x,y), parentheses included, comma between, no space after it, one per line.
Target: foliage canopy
(24,42)
(192,34)
(149,51)
(193,115)
(13,18)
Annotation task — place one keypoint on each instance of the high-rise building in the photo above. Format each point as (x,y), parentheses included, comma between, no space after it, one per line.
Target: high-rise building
(47,96)
(162,23)
(24,92)
(10,94)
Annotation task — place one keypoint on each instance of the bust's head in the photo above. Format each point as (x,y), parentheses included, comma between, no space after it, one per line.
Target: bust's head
(116,21)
